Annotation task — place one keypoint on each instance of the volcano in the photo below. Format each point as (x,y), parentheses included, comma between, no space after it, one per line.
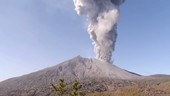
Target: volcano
(78,68)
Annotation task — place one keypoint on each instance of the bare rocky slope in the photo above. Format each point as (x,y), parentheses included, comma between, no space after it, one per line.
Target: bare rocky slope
(78,68)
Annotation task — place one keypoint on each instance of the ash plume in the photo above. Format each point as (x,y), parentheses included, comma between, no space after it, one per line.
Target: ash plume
(102,16)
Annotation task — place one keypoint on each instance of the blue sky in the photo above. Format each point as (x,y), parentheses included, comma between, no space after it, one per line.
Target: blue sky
(35,34)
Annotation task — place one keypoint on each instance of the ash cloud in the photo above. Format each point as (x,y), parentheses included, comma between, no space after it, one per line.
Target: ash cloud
(102,16)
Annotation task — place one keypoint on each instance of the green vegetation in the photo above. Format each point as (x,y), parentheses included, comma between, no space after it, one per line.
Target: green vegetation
(142,88)
(75,88)
(62,89)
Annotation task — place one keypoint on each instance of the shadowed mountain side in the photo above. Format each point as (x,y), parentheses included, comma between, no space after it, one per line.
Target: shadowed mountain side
(77,68)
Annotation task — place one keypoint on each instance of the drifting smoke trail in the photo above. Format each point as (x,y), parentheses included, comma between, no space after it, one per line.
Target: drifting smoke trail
(102,17)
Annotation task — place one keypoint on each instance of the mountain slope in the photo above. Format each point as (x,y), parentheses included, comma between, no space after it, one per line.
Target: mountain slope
(77,68)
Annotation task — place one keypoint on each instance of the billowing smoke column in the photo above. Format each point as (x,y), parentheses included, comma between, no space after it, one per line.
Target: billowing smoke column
(102,22)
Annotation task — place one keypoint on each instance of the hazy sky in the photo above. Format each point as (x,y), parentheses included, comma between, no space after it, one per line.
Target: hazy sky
(35,34)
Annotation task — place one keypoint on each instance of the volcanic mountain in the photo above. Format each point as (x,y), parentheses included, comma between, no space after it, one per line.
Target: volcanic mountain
(78,68)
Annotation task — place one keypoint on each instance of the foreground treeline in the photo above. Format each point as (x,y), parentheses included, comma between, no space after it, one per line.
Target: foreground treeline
(124,88)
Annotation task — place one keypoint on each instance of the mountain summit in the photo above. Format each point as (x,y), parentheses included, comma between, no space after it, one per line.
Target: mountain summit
(78,68)
(81,68)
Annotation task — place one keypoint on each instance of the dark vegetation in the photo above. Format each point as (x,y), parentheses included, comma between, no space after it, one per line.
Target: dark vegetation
(142,87)
(63,89)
